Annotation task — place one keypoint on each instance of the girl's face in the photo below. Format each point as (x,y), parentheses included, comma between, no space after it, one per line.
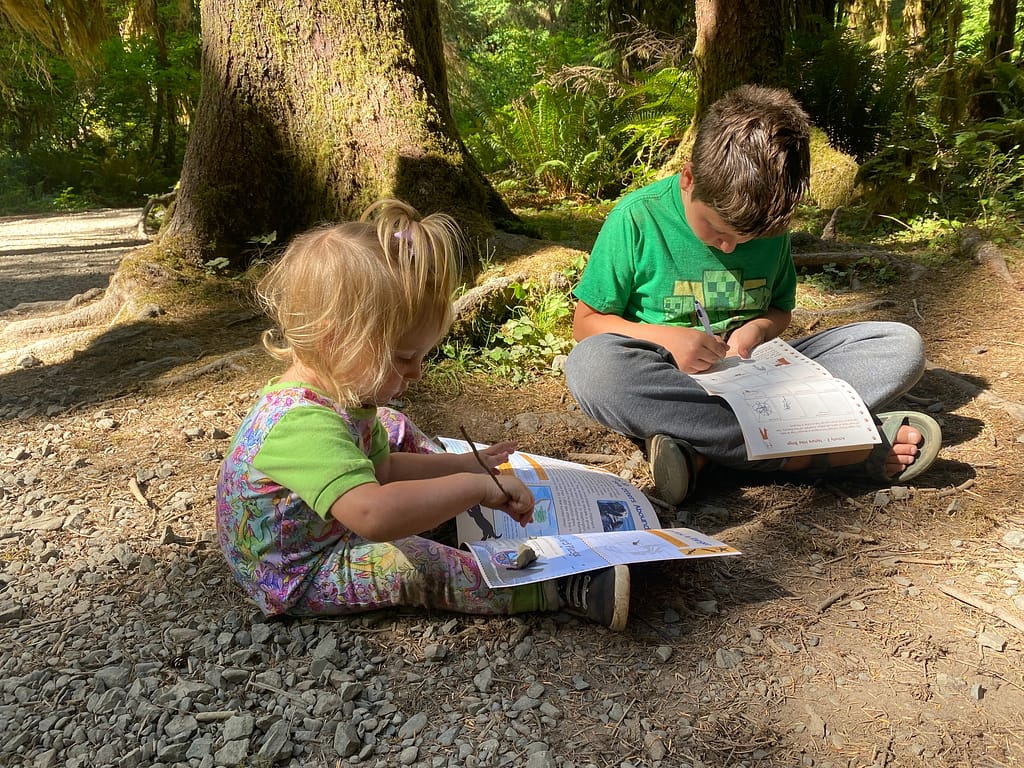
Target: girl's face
(406,363)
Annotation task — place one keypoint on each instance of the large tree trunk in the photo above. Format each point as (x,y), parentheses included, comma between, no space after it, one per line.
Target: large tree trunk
(310,112)
(738,41)
(1002,18)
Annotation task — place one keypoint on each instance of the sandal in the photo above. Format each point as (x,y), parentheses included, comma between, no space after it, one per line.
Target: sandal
(673,466)
(873,468)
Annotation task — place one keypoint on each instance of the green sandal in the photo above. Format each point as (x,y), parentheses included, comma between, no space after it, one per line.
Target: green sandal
(873,468)
(673,466)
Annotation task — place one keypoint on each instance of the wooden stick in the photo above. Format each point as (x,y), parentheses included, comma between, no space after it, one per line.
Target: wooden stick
(982,605)
(480,461)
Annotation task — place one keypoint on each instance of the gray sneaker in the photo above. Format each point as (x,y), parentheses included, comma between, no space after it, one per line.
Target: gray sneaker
(672,467)
(600,596)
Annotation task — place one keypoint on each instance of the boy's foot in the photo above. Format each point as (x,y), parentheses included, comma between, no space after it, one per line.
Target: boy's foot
(911,445)
(601,596)
(673,467)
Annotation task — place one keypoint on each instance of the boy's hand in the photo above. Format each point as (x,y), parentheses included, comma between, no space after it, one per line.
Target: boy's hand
(753,333)
(520,507)
(746,338)
(694,351)
(493,456)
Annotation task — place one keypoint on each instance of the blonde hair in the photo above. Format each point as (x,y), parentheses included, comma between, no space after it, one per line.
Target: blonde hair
(343,296)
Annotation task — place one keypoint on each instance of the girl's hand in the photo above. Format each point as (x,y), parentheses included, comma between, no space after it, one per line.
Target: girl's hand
(492,456)
(519,507)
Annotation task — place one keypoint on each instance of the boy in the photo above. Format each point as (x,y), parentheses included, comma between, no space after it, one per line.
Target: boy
(716,233)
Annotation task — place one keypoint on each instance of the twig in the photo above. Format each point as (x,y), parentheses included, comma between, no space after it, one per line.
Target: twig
(133,486)
(982,605)
(829,601)
(479,458)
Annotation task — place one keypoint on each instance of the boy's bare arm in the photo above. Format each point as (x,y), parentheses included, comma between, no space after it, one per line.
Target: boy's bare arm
(693,350)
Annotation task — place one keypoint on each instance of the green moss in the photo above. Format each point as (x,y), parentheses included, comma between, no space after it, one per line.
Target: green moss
(833,174)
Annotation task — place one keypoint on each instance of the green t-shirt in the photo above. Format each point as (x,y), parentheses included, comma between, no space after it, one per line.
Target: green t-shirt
(316,449)
(648,266)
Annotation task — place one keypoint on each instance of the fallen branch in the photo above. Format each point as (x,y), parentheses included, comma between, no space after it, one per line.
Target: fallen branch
(852,309)
(821,258)
(982,605)
(974,246)
(1014,409)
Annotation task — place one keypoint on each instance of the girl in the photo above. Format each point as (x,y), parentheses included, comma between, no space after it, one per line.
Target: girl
(318,501)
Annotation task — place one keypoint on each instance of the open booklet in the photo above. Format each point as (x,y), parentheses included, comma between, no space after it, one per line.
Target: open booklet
(789,405)
(583,519)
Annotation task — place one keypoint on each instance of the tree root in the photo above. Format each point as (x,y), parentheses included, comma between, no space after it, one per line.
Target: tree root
(118,299)
(224,361)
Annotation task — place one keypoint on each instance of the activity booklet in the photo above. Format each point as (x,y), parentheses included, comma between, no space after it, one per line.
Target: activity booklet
(789,405)
(583,519)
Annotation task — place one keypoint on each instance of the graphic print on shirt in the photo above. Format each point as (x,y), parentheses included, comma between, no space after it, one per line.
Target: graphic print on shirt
(722,292)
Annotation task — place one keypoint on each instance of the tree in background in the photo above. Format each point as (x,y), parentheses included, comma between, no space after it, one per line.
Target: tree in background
(738,41)
(309,113)
(96,113)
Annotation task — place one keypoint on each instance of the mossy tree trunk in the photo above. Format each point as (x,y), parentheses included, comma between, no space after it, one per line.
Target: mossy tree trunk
(738,41)
(309,112)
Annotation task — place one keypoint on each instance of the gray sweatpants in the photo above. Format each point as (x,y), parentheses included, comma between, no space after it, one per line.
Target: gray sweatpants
(634,387)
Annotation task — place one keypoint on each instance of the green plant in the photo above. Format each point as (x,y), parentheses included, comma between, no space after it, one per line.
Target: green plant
(523,346)
(526,343)
(69,200)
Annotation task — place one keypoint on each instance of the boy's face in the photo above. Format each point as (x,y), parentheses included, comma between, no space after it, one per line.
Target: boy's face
(705,223)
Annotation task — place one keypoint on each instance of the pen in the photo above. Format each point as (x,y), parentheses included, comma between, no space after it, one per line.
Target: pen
(703,317)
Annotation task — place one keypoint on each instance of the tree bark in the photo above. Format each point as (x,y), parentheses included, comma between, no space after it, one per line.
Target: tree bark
(309,112)
(738,41)
(1002,18)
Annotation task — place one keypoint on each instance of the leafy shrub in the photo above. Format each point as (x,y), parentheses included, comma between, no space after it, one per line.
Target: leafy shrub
(850,91)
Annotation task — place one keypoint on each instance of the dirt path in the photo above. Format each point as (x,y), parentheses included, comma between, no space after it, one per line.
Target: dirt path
(859,629)
(52,258)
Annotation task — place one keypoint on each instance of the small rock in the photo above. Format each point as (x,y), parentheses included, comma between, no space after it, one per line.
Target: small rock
(728,658)
(28,361)
(708,607)
(1014,539)
(525,555)
(992,640)
(434,652)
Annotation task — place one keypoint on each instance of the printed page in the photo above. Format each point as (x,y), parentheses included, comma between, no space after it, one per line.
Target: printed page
(564,555)
(788,405)
(569,498)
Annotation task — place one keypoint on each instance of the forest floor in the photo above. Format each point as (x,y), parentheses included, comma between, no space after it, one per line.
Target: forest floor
(857,628)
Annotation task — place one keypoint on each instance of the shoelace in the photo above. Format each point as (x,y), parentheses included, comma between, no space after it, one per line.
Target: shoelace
(576,591)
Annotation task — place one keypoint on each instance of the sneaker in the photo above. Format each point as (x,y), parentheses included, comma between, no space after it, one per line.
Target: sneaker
(601,596)
(672,467)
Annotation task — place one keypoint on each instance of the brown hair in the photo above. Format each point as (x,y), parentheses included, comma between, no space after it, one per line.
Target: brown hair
(751,159)
(343,296)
